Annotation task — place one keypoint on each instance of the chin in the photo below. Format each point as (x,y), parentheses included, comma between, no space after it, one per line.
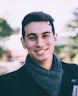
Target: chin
(42,59)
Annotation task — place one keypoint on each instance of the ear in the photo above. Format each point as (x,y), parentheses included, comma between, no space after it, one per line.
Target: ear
(55,37)
(23,42)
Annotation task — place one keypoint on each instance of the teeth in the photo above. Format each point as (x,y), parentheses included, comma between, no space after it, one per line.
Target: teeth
(40,52)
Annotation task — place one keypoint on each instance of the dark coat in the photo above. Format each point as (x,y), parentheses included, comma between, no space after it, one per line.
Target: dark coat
(20,83)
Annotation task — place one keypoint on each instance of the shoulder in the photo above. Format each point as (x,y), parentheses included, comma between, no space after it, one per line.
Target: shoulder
(14,74)
(70,68)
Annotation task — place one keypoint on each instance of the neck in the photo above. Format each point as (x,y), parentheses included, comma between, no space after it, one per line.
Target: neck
(46,64)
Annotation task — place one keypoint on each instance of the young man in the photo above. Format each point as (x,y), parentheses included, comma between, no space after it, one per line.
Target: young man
(43,73)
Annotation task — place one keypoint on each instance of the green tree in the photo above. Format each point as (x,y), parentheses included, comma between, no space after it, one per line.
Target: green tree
(5,28)
(73,24)
(1,52)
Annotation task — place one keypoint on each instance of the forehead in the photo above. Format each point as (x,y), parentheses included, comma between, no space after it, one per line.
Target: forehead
(38,27)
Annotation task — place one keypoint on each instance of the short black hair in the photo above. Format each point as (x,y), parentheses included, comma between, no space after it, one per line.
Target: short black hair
(37,16)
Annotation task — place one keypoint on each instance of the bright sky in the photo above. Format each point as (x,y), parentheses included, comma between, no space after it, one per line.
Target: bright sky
(61,10)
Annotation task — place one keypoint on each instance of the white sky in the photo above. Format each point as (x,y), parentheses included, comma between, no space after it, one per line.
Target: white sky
(61,10)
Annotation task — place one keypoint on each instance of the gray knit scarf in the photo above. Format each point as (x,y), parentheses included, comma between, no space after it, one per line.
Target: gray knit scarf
(49,80)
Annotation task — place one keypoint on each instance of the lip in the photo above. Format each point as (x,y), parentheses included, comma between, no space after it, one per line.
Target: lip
(41,52)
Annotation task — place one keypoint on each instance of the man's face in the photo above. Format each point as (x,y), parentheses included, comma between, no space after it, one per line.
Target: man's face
(39,40)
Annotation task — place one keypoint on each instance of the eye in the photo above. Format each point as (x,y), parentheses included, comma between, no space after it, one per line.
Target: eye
(46,35)
(32,38)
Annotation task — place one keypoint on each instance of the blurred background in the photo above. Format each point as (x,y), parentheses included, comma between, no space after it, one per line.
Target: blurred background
(65,13)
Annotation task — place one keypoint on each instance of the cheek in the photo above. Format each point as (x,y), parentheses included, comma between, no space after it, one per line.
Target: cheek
(30,45)
(51,42)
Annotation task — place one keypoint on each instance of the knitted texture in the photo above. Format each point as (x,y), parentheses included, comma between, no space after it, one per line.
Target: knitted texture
(49,80)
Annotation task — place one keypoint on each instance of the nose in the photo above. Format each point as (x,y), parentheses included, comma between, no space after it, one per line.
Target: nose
(40,42)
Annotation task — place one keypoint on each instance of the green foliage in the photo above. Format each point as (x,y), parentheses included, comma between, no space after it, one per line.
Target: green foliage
(67,51)
(1,52)
(5,29)
(73,24)
(71,47)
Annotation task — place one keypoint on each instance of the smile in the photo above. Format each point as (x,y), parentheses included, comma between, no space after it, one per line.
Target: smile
(40,52)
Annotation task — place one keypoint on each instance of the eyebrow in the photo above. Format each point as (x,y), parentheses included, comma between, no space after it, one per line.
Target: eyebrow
(46,32)
(35,34)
